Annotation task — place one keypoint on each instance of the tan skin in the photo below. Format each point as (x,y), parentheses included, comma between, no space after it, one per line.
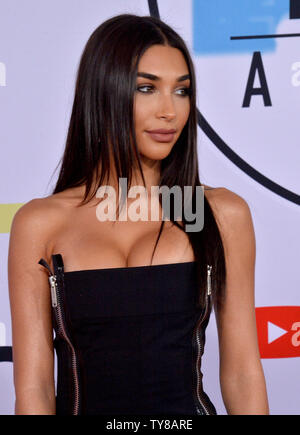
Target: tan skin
(45,226)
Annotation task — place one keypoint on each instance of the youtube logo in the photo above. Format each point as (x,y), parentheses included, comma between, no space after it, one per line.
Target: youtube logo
(278,330)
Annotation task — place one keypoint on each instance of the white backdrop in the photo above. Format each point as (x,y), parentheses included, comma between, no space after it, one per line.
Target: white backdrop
(251,148)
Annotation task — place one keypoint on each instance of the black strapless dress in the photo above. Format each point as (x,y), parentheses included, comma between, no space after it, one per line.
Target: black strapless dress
(129,340)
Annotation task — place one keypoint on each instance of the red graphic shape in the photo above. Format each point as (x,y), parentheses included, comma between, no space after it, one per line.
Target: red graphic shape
(286,345)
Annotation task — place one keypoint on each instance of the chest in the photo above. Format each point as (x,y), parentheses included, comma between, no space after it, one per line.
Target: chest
(87,243)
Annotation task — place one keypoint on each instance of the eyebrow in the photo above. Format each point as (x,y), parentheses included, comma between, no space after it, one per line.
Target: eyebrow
(154,77)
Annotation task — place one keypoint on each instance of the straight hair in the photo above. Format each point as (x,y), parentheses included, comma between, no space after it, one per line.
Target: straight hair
(102,126)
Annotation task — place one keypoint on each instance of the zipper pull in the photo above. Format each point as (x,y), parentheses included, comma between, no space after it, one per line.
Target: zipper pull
(52,280)
(46,265)
(209,268)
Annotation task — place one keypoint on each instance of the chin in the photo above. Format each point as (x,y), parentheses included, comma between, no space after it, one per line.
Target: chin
(157,155)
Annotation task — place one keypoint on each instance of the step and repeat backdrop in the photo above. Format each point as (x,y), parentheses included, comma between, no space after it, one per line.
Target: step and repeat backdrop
(247,60)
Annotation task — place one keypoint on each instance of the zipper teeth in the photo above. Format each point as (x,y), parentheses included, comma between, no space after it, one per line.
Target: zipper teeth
(199,344)
(57,307)
(209,268)
(197,365)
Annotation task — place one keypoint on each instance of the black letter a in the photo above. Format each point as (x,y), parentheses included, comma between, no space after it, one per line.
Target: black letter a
(257,65)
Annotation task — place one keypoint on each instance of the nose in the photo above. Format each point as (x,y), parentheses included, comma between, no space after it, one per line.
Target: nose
(166,108)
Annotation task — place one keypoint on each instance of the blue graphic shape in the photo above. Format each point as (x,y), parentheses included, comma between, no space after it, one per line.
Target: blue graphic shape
(215,21)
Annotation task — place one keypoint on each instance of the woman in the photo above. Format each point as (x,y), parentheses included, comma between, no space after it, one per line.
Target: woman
(130,326)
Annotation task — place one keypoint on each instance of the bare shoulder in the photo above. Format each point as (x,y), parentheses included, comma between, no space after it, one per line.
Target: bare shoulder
(38,213)
(221,196)
(39,219)
(230,209)
(50,210)
(34,210)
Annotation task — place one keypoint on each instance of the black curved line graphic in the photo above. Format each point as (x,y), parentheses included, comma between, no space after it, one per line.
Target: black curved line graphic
(153,8)
(243,165)
(228,152)
(5,353)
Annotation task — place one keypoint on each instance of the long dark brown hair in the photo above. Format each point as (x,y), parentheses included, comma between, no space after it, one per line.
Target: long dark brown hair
(102,114)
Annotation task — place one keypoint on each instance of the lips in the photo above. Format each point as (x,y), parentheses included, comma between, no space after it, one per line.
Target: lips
(162,135)
(162,130)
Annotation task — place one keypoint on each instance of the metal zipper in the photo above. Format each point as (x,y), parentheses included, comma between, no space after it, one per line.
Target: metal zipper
(52,280)
(199,344)
(55,301)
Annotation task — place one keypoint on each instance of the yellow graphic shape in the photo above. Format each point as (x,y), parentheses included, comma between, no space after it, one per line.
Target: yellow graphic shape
(7,212)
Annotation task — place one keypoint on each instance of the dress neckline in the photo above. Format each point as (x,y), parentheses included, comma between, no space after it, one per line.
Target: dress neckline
(133,268)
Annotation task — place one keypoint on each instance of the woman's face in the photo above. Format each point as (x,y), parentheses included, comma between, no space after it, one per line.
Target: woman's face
(162,102)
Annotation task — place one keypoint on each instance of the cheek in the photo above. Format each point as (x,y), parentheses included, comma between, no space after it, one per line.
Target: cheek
(186,114)
(140,112)
(187,108)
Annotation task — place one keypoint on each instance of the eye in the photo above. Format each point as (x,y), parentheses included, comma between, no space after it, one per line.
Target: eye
(144,86)
(185,91)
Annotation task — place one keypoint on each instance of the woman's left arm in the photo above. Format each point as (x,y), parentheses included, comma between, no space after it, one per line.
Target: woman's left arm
(242,380)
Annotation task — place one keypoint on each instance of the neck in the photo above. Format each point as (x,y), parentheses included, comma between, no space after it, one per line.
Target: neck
(151,171)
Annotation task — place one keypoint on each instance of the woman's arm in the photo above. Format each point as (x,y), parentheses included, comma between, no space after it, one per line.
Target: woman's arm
(30,304)
(242,379)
